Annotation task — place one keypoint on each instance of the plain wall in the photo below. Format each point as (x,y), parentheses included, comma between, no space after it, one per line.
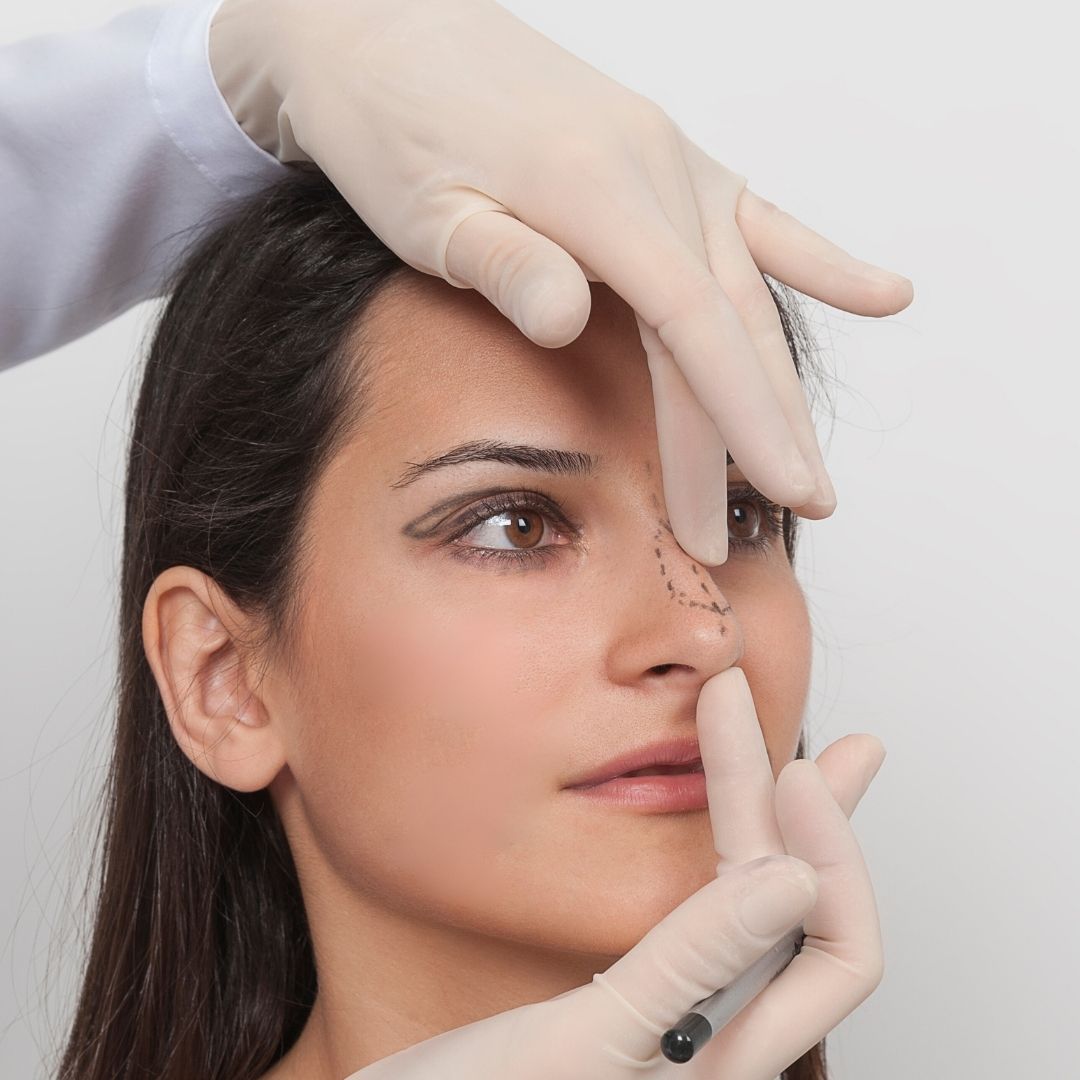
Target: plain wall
(937,140)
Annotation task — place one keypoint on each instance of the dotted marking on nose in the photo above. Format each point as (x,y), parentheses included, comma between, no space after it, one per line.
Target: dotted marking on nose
(681,597)
(694,603)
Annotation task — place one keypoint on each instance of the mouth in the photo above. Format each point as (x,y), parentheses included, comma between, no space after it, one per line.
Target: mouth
(655,789)
(667,757)
(665,770)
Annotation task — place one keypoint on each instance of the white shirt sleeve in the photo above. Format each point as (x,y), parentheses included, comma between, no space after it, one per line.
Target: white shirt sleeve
(116,151)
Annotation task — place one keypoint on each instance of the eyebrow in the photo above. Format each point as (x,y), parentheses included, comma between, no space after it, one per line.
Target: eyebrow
(539,458)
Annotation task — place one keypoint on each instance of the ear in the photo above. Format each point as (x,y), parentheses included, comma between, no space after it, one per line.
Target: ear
(192,636)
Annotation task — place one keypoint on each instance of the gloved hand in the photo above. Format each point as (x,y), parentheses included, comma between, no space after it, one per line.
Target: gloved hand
(480,151)
(610,1028)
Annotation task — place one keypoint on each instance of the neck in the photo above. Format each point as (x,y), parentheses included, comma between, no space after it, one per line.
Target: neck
(390,978)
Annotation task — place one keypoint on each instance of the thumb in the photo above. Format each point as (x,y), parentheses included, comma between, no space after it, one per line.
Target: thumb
(705,943)
(535,283)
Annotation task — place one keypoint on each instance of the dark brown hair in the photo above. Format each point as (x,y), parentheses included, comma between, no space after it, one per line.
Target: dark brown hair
(200,961)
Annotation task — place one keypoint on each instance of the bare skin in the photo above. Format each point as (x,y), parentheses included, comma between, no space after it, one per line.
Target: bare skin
(419,735)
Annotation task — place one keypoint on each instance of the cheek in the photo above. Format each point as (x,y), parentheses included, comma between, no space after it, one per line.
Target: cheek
(418,748)
(777,662)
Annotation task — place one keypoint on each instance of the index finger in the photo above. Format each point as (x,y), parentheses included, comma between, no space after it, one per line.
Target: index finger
(785,249)
(693,457)
(738,775)
(628,239)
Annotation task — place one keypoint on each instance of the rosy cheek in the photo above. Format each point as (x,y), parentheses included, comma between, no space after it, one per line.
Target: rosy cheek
(458,692)
(777,663)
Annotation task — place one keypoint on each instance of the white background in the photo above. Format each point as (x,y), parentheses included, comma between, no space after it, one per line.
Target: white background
(938,140)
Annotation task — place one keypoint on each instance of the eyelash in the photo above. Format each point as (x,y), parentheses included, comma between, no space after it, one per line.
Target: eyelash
(543,504)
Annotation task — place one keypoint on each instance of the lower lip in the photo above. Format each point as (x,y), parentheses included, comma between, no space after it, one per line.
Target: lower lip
(665,794)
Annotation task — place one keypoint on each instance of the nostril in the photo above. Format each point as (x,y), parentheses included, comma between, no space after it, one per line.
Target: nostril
(662,669)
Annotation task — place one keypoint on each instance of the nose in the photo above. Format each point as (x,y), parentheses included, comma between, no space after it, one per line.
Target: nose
(673,614)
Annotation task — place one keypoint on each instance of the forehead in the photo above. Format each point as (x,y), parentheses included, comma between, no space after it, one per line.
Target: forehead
(445,357)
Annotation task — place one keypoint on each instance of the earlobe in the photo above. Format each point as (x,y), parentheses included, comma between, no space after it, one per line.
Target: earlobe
(191,636)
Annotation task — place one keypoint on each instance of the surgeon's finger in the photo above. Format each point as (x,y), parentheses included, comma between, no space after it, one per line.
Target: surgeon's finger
(706,942)
(738,775)
(849,765)
(843,953)
(741,280)
(693,457)
(739,277)
(693,453)
(535,283)
(841,961)
(653,270)
(787,250)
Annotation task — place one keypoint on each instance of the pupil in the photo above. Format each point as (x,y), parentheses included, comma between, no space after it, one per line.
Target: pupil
(521,527)
(741,517)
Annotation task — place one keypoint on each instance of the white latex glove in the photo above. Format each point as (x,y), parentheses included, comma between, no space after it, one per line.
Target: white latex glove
(610,1028)
(480,151)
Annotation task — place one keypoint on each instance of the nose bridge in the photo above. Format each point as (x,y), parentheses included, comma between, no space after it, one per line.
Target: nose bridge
(673,561)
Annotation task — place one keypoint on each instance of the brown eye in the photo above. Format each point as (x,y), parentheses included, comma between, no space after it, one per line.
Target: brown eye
(745,519)
(524,528)
(754,523)
(515,529)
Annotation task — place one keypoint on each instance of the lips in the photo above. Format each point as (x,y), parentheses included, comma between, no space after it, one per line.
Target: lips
(667,770)
(669,756)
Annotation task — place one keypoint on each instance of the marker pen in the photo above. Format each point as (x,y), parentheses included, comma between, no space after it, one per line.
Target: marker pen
(708,1016)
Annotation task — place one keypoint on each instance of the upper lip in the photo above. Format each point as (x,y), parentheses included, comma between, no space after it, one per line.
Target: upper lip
(682,751)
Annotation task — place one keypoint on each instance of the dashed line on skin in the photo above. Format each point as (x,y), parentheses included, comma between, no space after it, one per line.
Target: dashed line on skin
(681,597)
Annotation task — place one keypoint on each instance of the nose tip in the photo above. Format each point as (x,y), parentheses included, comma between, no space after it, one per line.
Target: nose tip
(680,625)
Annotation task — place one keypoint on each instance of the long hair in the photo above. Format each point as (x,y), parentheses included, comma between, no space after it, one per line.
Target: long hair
(200,961)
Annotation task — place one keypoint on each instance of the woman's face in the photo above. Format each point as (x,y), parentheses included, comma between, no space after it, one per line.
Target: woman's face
(448,679)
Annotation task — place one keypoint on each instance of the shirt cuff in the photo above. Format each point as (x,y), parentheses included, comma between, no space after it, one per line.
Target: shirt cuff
(191,108)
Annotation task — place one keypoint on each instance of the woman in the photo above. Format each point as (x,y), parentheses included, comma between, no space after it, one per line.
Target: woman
(361,670)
